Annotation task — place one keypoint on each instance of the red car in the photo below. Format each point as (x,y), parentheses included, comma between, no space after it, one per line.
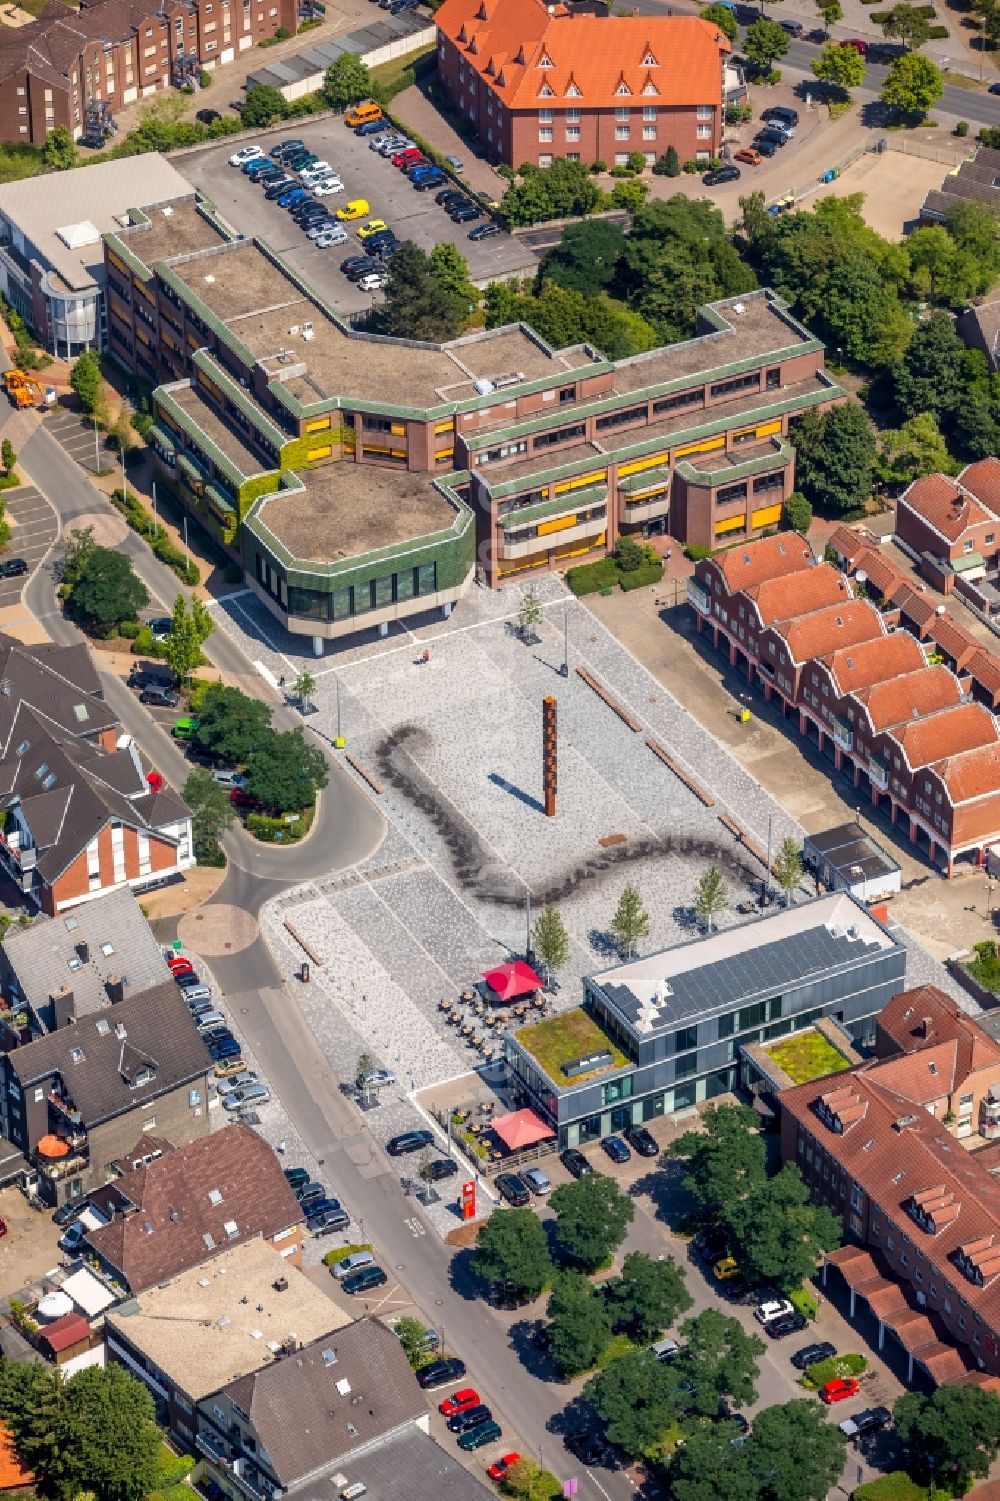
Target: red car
(240,798)
(857,44)
(840,1389)
(498,1471)
(403,158)
(179,966)
(459,1402)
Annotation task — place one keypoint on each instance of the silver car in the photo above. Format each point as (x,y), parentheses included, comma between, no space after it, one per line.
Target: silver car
(237,1081)
(332,237)
(246,1094)
(376,1078)
(536,1180)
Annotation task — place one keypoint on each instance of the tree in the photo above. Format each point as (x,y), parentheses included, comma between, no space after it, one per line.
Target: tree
(793,1453)
(788,867)
(565,190)
(587,257)
(286,772)
(907,24)
(649,1295)
(304,687)
(832,11)
(416,305)
(211,811)
(669,164)
(592,1218)
(711,896)
(59,152)
(451,272)
(764,43)
(637,1397)
(550,940)
(411,1335)
(189,629)
(527,1481)
(107,591)
(121,432)
(85,378)
(719,16)
(797,512)
(94,1434)
(844,67)
(362,1068)
(8,458)
(777,1235)
(564,318)
(719,1360)
(835,457)
(512,1253)
(952,1435)
(975,426)
(912,86)
(230,724)
(77,552)
(346,81)
(261,106)
(529,614)
(930,376)
(725,1160)
(631,920)
(629,555)
(706,1466)
(916,448)
(579,1324)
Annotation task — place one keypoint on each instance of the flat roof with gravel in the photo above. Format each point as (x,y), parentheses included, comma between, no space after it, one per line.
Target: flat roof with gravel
(347,509)
(173,229)
(226,438)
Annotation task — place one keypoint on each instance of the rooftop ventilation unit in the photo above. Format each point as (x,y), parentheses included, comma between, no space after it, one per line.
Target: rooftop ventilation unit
(513,379)
(484,386)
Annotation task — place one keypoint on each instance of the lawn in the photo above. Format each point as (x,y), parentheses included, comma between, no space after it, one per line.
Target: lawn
(829,1370)
(562,1038)
(807,1056)
(986,966)
(898,1486)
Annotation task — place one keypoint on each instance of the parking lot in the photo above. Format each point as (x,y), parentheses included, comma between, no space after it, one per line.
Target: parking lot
(33,531)
(412,215)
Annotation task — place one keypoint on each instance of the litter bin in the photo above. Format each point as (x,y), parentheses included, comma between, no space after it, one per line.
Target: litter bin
(304,973)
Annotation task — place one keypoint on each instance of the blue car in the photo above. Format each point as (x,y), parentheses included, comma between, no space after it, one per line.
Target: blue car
(616,1149)
(420,173)
(228,1048)
(293,196)
(370,127)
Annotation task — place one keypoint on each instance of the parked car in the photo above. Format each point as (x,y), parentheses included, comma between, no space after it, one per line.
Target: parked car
(574,1162)
(748,155)
(225,1067)
(144,677)
(330,237)
(536,1180)
(839,1389)
(666,1349)
(197,995)
(813,1354)
(357,208)
(370,283)
(499,1467)
(460,1401)
(450,195)
(248,1094)
(159,698)
(725,1269)
(869,1420)
(465,213)
(440,1373)
(178,963)
(510,1187)
(237,1081)
(187,978)
(373,227)
(857,44)
(441,1167)
(469,1417)
(161,626)
(641,1140)
(616,1149)
(328,1221)
(356,1262)
(709,1245)
(772,136)
(311,1193)
(789,1323)
(13,568)
(794,28)
(764,147)
(727,173)
(328,186)
(364,1281)
(241,798)
(359,270)
(484,1433)
(775,1308)
(185,728)
(296,1176)
(782,112)
(70,1239)
(314,1207)
(226,1047)
(68,1212)
(245,154)
(409,1141)
(484,231)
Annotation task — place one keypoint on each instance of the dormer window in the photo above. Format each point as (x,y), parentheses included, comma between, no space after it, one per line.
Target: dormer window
(623,90)
(573,91)
(546,92)
(545,61)
(649,61)
(650,88)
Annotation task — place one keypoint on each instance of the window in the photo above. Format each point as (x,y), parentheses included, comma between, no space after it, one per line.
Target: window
(572,132)
(741,383)
(572,118)
(427,578)
(621,158)
(621,133)
(675,403)
(545,133)
(622,112)
(545,159)
(727,1024)
(686,1064)
(705,111)
(649,111)
(649,132)
(704,132)
(545,117)
(686,1038)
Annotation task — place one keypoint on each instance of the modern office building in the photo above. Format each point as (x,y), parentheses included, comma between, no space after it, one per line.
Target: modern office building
(664,1032)
(544,81)
(360,478)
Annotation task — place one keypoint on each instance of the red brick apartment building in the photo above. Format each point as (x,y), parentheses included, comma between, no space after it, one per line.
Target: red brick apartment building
(539,81)
(921,1213)
(71,67)
(904,728)
(952,526)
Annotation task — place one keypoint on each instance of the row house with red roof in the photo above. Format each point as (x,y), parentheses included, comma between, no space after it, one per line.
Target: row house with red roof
(952,526)
(539,82)
(888,710)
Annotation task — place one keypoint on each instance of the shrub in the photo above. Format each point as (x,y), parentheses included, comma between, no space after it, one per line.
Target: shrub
(649,573)
(8,481)
(897,1486)
(339,1252)
(669,164)
(282,34)
(829,1370)
(691,166)
(774,76)
(145,646)
(588,578)
(598,167)
(962,128)
(267,829)
(129,629)
(937,33)
(694,552)
(205,79)
(628,554)
(637,161)
(802,1299)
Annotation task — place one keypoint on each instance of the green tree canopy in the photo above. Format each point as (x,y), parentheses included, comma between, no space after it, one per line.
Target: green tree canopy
(8,458)
(793,1453)
(764,43)
(942,270)
(907,24)
(586,259)
(844,67)
(512,1252)
(286,772)
(913,85)
(725,1160)
(59,152)
(261,106)
(107,591)
(778,1236)
(637,1397)
(190,628)
(797,512)
(649,1295)
(788,866)
(916,448)
(711,896)
(550,940)
(952,1435)
(592,1218)
(677,257)
(631,920)
(930,376)
(565,190)
(211,811)
(707,1467)
(835,455)
(85,378)
(720,16)
(564,318)
(346,81)
(719,1360)
(230,723)
(411,1334)
(416,304)
(579,1324)
(450,270)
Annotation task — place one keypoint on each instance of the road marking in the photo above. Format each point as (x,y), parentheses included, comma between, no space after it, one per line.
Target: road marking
(415,1227)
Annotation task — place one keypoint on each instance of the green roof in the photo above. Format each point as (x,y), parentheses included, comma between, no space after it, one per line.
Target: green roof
(560,1039)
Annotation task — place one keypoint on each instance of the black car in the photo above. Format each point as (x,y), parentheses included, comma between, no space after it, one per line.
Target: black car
(794,28)
(94,141)
(321,1206)
(484,231)
(160,698)
(616,1149)
(375,244)
(369,265)
(208,116)
(782,113)
(641,1140)
(465,215)
(788,1323)
(13,568)
(721,175)
(328,1221)
(765,146)
(511,1188)
(409,1141)
(813,1354)
(469,1417)
(441,1167)
(279,188)
(771,138)
(587,1447)
(425,184)
(141,677)
(309,1190)
(352,262)
(188,980)
(440,1373)
(574,1162)
(450,195)
(870,1420)
(709,1245)
(69,1211)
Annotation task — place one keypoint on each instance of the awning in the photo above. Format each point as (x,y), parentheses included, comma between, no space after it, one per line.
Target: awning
(522,1129)
(512,980)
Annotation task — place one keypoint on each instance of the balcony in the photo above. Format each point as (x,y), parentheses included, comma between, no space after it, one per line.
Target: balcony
(878,774)
(645,510)
(989,1119)
(243,1471)
(698,597)
(511,548)
(55,1169)
(842,735)
(65,1111)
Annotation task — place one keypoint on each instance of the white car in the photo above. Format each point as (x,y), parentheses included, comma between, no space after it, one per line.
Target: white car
(371,282)
(332,237)
(328,185)
(314,169)
(777,1308)
(394,144)
(245,154)
(236,1081)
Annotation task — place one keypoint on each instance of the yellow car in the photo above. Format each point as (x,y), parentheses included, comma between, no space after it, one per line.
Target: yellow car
(725,1269)
(373,227)
(356,209)
(227,1066)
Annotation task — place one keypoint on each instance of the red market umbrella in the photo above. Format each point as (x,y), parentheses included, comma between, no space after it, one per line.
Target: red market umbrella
(522,1129)
(509,981)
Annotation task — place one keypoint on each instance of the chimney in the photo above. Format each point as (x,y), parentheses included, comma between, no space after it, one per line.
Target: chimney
(115,986)
(926,1025)
(83,949)
(63,1007)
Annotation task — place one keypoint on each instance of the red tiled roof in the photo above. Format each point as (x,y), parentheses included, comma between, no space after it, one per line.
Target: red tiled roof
(848,543)
(925,1016)
(13,1472)
(982,479)
(797,594)
(823,631)
(532,55)
(945,734)
(884,574)
(943,505)
(970,774)
(953,639)
(62,1333)
(909,696)
(914,602)
(884,657)
(985,668)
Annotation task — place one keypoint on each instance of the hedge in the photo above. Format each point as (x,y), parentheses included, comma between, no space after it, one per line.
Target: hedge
(8,481)
(156,536)
(829,1370)
(339,1252)
(938,33)
(171,1467)
(897,1486)
(802,1300)
(588,578)
(649,573)
(268,829)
